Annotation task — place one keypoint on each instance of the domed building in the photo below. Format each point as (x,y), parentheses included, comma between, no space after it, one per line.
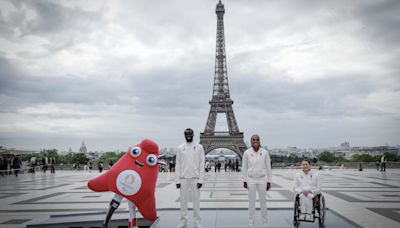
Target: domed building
(83,149)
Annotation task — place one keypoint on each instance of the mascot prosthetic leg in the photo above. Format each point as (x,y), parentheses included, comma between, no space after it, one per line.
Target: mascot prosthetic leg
(133,177)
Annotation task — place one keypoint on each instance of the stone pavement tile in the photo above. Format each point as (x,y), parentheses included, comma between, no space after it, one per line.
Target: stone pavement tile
(368,198)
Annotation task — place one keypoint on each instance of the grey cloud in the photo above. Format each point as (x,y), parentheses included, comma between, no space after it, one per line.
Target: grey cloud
(52,18)
(168,89)
(323,97)
(48,49)
(380,21)
(61,26)
(172,20)
(176,93)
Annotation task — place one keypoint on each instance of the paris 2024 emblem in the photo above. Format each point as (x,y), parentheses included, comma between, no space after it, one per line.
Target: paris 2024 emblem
(134,177)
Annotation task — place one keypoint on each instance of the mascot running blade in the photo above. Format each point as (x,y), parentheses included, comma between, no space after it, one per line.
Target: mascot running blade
(133,177)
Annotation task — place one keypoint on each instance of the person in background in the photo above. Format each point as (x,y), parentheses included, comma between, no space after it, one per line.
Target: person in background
(90,166)
(52,162)
(383,163)
(3,162)
(16,164)
(33,163)
(100,166)
(45,163)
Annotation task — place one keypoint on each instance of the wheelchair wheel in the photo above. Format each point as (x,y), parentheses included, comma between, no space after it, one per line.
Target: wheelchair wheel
(296,212)
(322,212)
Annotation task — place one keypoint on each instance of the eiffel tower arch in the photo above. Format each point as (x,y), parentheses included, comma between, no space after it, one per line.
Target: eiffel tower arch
(221,101)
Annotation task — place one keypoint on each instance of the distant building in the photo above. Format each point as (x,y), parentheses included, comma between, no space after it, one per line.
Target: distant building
(345,146)
(83,149)
(9,151)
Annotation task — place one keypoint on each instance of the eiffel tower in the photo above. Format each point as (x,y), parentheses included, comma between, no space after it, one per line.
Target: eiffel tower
(221,101)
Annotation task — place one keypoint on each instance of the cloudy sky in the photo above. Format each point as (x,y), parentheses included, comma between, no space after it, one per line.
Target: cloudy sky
(302,73)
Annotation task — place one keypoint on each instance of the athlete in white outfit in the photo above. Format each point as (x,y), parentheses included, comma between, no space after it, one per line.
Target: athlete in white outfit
(307,185)
(189,170)
(257,174)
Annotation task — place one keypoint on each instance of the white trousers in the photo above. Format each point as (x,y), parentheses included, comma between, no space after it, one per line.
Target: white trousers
(259,185)
(189,191)
(306,203)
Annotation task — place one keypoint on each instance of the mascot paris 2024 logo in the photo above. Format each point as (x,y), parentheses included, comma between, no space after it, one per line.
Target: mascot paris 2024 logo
(129,182)
(134,177)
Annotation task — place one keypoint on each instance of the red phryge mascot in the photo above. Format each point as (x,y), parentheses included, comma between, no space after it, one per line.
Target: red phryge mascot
(134,177)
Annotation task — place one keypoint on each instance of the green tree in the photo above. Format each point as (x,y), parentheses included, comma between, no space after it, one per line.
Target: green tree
(366,158)
(27,157)
(71,158)
(326,156)
(341,159)
(53,153)
(79,158)
(391,156)
(49,153)
(110,156)
(65,159)
(293,157)
(362,158)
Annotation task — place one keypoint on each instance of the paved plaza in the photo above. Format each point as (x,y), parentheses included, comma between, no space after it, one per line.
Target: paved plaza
(354,199)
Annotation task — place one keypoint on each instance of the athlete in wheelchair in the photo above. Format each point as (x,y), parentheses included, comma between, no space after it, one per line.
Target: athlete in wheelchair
(309,202)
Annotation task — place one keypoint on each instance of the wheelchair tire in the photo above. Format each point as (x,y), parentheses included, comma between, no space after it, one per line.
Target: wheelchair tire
(322,212)
(296,213)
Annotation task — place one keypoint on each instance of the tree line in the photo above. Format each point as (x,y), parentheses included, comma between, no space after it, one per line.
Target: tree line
(331,157)
(71,158)
(324,157)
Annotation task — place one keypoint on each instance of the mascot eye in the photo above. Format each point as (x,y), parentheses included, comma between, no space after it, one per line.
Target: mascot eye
(135,151)
(151,160)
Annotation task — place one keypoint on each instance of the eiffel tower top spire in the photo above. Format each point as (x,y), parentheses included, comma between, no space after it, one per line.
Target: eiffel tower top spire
(221,87)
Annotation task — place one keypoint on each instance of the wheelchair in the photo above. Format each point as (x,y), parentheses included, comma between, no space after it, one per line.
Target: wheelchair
(318,211)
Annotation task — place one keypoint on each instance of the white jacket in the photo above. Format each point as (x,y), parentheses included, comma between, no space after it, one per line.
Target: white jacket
(309,181)
(190,160)
(256,164)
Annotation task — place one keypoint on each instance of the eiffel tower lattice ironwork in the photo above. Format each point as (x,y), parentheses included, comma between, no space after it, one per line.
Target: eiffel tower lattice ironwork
(221,101)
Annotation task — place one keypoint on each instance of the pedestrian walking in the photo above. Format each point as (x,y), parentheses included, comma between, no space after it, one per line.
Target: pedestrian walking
(383,163)
(90,166)
(100,166)
(52,162)
(16,164)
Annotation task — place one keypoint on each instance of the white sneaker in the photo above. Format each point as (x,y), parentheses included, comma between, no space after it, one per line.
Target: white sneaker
(309,217)
(302,217)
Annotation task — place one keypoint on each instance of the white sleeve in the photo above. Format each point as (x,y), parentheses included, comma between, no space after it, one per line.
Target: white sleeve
(297,185)
(202,161)
(178,166)
(317,188)
(244,166)
(268,167)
